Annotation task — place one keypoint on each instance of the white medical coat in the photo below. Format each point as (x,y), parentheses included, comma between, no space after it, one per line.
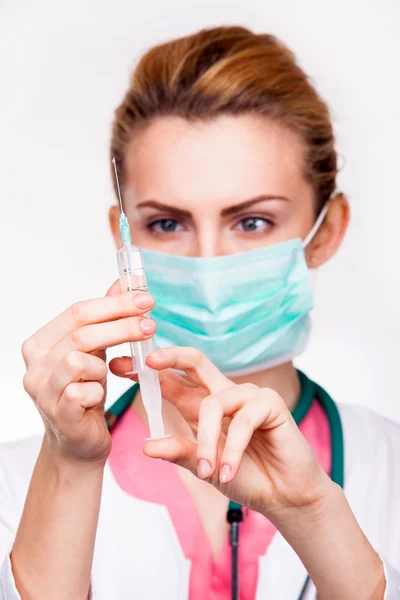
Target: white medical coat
(138,555)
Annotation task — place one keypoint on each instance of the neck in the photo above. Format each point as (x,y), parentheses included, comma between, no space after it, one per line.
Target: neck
(283,379)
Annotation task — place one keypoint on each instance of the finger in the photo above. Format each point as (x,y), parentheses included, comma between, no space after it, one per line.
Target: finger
(240,432)
(175,450)
(115,288)
(83,313)
(76,367)
(193,362)
(212,411)
(172,383)
(76,398)
(174,387)
(181,393)
(265,410)
(185,395)
(123,366)
(104,335)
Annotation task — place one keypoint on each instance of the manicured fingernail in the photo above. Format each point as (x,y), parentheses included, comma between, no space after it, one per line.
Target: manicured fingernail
(144,300)
(147,326)
(225,474)
(204,468)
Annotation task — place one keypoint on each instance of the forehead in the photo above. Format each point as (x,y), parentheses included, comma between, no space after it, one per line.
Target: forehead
(224,160)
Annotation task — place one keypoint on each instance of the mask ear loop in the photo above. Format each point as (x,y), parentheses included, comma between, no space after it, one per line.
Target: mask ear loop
(316,225)
(310,237)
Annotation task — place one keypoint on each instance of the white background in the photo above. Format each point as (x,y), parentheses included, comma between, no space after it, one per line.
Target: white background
(64,68)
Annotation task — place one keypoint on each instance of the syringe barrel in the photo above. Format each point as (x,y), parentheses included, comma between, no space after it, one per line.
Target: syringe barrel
(132,277)
(131,269)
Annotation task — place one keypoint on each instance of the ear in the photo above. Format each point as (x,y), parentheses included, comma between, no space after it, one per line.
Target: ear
(113,217)
(331,233)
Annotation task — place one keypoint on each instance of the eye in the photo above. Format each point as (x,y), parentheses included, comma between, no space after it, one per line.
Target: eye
(165,226)
(253,224)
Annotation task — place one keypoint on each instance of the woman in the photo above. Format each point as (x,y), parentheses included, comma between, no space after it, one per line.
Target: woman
(227,165)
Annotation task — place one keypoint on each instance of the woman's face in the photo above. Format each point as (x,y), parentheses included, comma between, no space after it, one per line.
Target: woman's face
(210,188)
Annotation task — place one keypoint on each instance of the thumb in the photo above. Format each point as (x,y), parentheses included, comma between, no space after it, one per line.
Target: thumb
(115,289)
(175,450)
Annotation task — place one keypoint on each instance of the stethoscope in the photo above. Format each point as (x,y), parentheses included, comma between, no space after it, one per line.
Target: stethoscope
(309,392)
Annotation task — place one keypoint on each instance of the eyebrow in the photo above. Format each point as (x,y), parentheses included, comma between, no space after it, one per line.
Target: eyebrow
(248,203)
(226,212)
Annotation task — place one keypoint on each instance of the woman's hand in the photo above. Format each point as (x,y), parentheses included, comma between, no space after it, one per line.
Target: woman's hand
(66,378)
(66,371)
(248,445)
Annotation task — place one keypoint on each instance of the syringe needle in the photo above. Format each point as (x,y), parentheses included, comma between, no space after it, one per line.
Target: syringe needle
(123,221)
(114,162)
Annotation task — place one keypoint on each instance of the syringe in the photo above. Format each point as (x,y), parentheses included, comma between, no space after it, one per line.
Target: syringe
(133,278)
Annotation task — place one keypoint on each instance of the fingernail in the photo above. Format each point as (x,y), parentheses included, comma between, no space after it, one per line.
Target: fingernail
(147,326)
(204,468)
(225,474)
(144,300)
(133,366)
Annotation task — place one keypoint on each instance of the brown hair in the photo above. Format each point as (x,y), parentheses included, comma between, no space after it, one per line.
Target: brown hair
(229,70)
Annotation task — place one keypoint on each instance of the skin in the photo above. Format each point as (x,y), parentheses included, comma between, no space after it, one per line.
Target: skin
(237,435)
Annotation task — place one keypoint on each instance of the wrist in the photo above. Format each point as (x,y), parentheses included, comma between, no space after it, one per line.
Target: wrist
(66,466)
(330,543)
(312,512)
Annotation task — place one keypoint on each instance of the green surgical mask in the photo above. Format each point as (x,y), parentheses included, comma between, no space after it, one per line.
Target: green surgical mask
(246,312)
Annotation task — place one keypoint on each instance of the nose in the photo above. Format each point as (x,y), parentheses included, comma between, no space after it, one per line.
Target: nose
(209,241)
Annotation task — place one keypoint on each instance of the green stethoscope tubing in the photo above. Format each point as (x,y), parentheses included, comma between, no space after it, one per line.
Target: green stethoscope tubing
(309,392)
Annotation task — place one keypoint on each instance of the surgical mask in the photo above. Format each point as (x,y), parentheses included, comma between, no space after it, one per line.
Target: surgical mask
(246,312)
